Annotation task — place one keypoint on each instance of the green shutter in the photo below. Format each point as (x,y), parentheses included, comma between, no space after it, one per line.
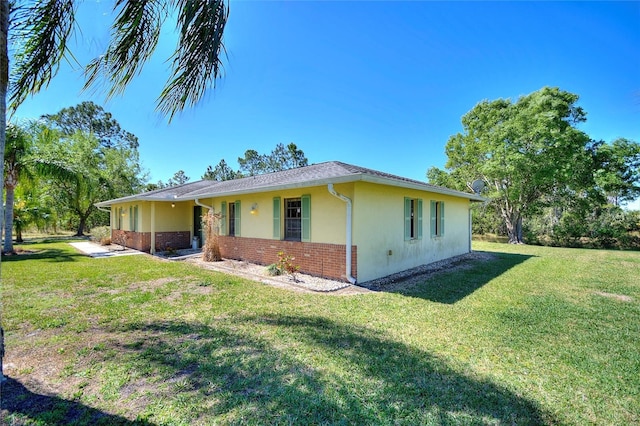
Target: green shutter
(276,218)
(306,218)
(237,218)
(130,218)
(441,217)
(419,218)
(433,219)
(135,218)
(223,218)
(407,218)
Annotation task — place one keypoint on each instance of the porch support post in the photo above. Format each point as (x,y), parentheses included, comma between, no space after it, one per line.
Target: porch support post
(153,227)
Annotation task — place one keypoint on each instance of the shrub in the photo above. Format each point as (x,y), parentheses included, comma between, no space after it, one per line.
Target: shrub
(285,264)
(101,234)
(211,249)
(274,270)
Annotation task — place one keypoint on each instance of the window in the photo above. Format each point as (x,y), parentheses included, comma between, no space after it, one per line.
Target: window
(133,218)
(412,218)
(234,219)
(297,218)
(119,217)
(437,218)
(293,219)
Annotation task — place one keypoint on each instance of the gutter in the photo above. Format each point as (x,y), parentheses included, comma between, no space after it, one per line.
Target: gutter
(198,203)
(349,238)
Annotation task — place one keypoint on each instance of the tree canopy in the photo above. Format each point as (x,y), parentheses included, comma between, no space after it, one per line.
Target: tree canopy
(91,118)
(524,151)
(40,32)
(222,171)
(86,173)
(281,158)
(253,163)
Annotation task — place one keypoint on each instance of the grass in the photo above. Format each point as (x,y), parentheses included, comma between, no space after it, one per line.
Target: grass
(538,335)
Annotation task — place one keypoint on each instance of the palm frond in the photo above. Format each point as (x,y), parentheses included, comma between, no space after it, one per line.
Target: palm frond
(196,61)
(40,31)
(134,38)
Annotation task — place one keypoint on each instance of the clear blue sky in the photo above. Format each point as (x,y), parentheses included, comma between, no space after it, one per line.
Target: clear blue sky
(377,84)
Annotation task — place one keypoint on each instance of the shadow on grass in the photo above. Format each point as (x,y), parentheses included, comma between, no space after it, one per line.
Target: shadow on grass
(21,406)
(309,370)
(48,254)
(452,286)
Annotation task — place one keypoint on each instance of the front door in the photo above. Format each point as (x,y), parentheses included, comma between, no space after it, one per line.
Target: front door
(197,224)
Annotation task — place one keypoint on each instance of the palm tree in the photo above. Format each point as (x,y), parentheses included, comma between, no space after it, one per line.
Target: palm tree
(17,149)
(43,27)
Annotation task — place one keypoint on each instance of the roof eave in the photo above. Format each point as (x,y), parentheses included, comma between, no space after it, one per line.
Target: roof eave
(422,187)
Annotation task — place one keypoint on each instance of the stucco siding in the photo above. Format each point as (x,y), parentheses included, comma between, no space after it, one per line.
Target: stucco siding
(328,214)
(379,231)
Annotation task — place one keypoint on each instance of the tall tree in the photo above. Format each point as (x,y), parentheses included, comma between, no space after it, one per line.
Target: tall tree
(91,118)
(524,150)
(281,158)
(285,157)
(221,172)
(86,173)
(617,169)
(252,164)
(16,157)
(41,30)
(178,178)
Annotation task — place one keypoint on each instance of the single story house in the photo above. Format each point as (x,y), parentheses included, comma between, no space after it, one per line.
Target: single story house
(338,220)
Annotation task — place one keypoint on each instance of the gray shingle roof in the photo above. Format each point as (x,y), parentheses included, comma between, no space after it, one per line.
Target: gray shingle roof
(314,175)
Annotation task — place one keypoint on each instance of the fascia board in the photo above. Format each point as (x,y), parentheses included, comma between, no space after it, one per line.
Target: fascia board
(422,187)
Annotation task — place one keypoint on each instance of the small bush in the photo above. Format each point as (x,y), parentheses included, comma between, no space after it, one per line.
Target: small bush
(285,264)
(211,249)
(101,234)
(273,270)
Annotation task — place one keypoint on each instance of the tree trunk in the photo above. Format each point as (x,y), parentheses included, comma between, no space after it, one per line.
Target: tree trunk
(513,222)
(8,218)
(4,84)
(81,226)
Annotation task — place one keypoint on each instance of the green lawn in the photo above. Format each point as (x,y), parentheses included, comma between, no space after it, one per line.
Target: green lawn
(537,336)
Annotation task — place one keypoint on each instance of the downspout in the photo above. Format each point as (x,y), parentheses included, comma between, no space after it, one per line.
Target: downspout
(347,200)
(470,226)
(198,203)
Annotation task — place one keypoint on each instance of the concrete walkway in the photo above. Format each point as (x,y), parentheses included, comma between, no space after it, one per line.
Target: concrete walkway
(97,251)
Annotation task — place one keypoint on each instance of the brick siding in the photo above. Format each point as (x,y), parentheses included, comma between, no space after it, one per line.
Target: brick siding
(318,259)
(137,240)
(175,240)
(142,240)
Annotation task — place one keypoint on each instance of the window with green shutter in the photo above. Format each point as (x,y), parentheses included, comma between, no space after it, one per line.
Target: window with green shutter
(223,218)
(135,218)
(306,218)
(276,218)
(412,218)
(237,219)
(297,219)
(234,219)
(437,218)
(293,219)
